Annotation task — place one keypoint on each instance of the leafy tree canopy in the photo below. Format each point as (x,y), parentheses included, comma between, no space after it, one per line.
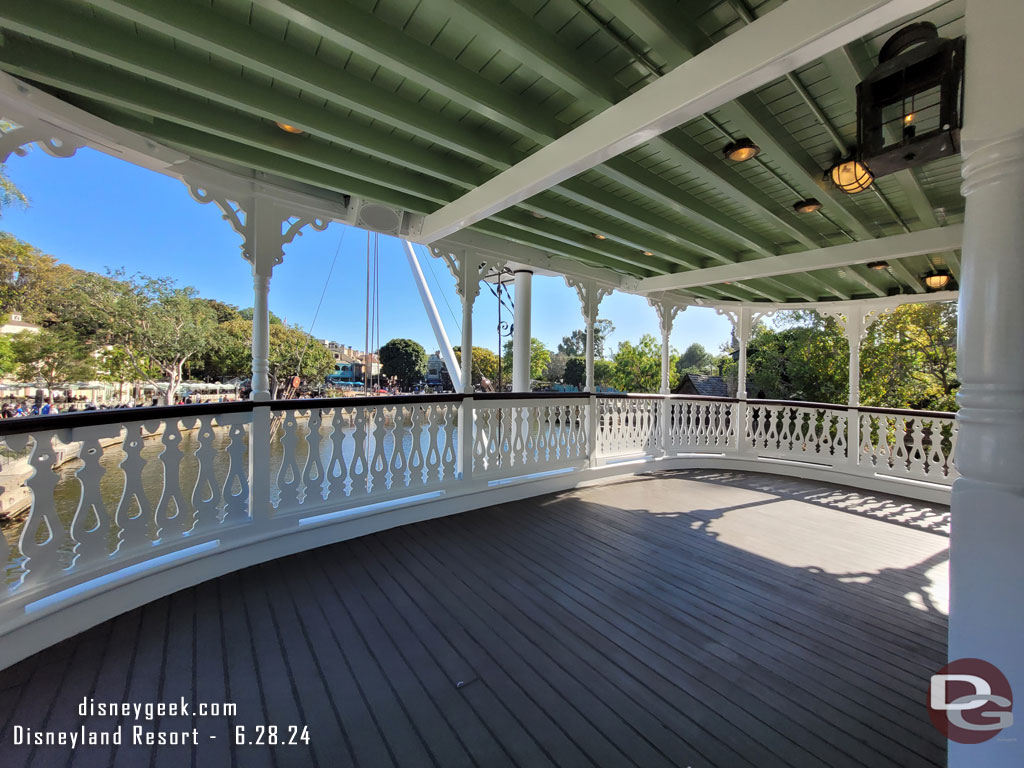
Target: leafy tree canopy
(293,352)
(156,323)
(555,369)
(576,342)
(539,357)
(53,357)
(484,364)
(638,366)
(8,361)
(695,359)
(9,193)
(404,359)
(908,359)
(576,372)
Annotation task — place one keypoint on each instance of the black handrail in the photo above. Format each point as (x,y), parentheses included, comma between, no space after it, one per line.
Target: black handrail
(77,419)
(355,402)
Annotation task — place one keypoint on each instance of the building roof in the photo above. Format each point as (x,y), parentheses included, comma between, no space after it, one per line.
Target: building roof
(411,106)
(712,386)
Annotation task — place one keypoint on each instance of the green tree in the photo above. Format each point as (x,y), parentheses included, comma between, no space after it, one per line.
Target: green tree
(806,359)
(229,353)
(908,358)
(484,364)
(8,360)
(405,360)
(576,342)
(158,324)
(246,314)
(638,366)
(575,371)
(115,367)
(695,359)
(52,357)
(555,370)
(539,357)
(9,193)
(604,373)
(293,352)
(25,276)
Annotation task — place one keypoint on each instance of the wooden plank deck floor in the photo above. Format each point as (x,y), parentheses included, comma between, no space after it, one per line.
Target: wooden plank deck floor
(696,618)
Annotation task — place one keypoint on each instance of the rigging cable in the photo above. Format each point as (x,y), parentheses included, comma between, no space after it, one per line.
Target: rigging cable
(376,278)
(366,342)
(344,229)
(430,267)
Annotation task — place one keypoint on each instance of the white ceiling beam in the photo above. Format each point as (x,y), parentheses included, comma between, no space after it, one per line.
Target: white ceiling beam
(860,252)
(796,33)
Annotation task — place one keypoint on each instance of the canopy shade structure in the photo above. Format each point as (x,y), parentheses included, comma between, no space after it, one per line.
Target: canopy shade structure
(583,131)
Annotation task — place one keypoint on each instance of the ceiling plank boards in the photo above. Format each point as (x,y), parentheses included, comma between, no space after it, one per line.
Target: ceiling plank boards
(796,33)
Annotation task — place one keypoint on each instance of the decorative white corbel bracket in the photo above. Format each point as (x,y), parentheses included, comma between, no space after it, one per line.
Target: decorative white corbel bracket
(265,224)
(54,141)
(591,293)
(468,269)
(667,311)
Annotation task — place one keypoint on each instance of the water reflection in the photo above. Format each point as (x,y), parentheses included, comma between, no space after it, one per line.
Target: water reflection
(112,483)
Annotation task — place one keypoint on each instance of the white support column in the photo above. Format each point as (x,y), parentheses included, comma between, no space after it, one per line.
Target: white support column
(855,328)
(466,375)
(266,227)
(987,537)
(464,458)
(667,312)
(468,270)
(261,274)
(521,331)
(590,294)
(588,384)
(742,337)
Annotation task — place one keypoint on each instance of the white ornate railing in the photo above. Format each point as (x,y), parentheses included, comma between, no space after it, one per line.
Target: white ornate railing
(908,444)
(340,456)
(806,432)
(523,436)
(627,425)
(148,491)
(701,424)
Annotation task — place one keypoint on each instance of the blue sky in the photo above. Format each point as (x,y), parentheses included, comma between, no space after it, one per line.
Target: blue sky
(93,212)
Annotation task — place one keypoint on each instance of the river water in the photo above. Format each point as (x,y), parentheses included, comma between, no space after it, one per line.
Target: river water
(68,490)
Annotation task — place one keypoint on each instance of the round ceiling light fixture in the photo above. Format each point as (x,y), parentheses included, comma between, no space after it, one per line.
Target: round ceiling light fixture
(877,265)
(288,128)
(810,205)
(648,253)
(937,280)
(740,150)
(599,236)
(851,176)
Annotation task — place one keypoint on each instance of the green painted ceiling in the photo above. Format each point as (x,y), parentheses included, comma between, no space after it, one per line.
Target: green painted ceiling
(414,102)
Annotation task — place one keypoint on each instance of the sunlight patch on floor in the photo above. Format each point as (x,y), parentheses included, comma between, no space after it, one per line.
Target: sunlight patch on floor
(853,549)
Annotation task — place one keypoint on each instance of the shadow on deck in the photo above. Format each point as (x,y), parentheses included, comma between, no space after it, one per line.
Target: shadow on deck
(682,619)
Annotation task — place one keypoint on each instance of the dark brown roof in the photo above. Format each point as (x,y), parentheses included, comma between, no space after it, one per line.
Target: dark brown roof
(712,386)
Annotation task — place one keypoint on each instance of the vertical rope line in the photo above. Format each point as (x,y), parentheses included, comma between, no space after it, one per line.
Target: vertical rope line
(366,340)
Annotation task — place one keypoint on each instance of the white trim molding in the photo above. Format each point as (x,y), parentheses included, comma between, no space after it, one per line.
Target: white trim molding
(932,240)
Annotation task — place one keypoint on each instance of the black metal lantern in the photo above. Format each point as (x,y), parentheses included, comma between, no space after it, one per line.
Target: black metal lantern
(910,108)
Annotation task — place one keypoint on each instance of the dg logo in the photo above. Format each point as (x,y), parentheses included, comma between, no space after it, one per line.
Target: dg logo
(970,701)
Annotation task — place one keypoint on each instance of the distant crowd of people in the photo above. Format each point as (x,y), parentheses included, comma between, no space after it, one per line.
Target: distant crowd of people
(13,409)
